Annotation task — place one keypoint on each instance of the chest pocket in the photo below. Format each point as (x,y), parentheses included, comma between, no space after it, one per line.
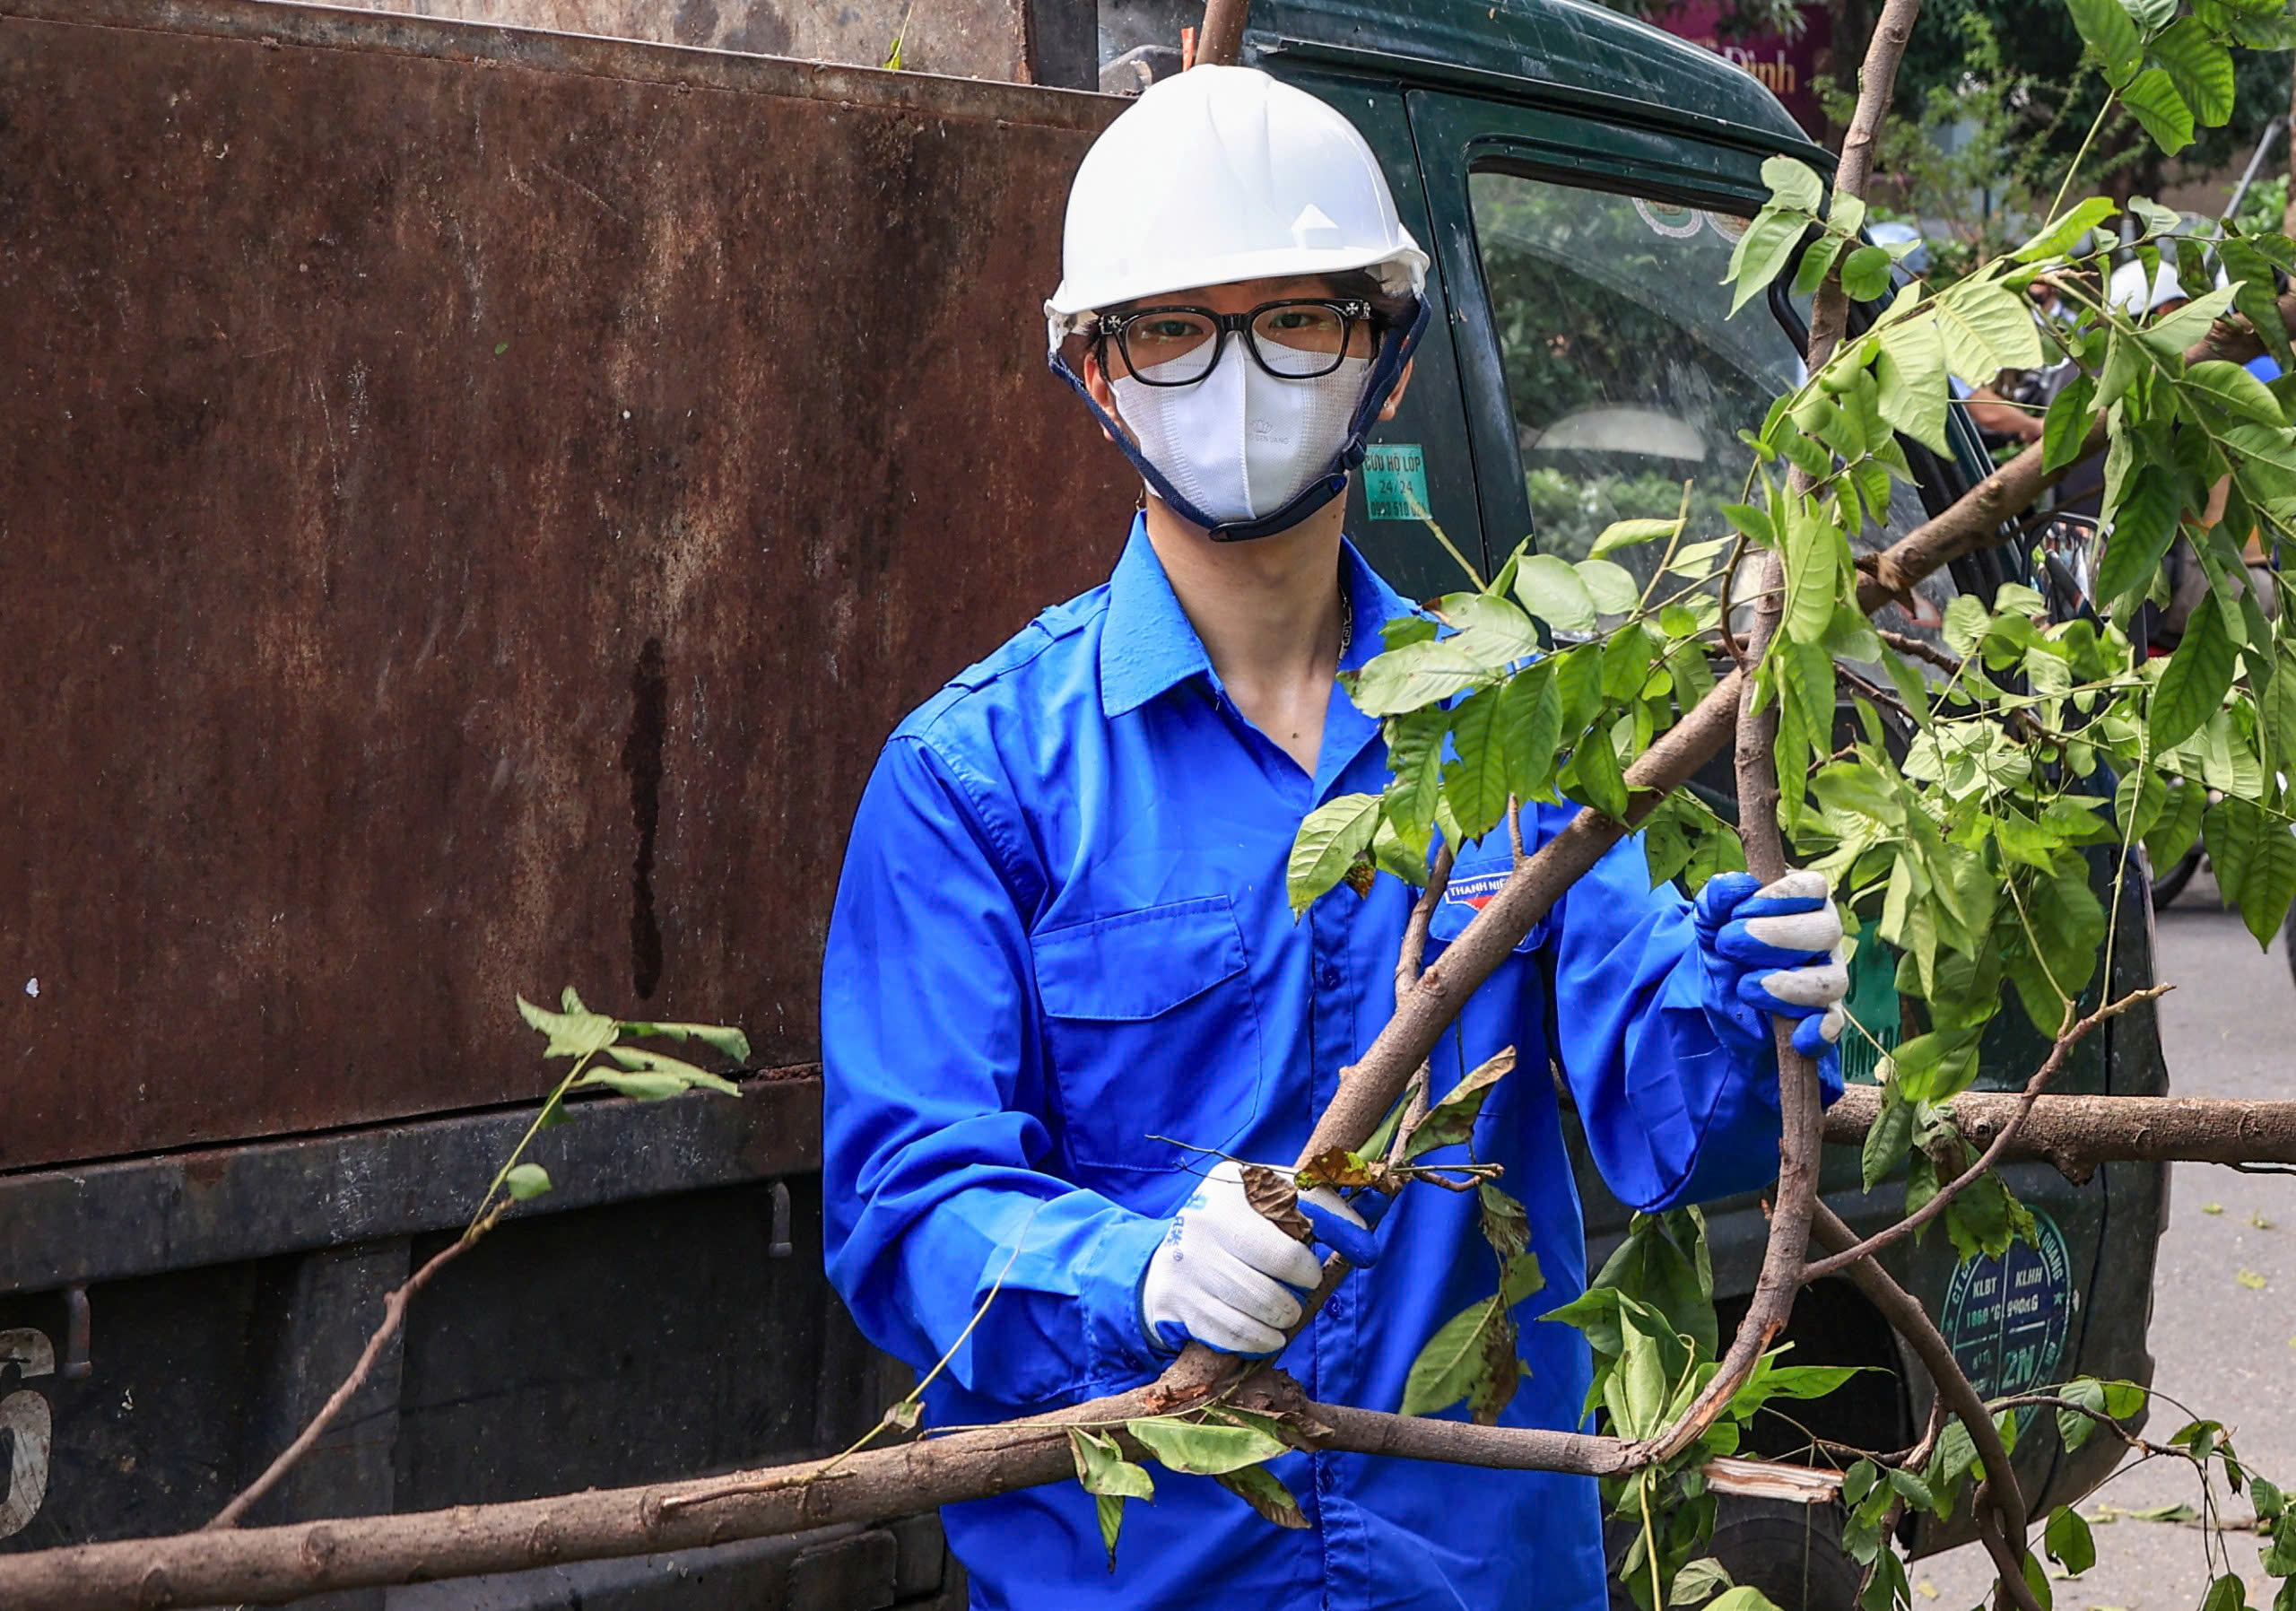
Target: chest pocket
(1153,1030)
(1471,888)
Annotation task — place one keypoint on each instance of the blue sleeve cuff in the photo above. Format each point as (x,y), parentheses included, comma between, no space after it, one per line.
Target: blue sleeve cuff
(1108,1282)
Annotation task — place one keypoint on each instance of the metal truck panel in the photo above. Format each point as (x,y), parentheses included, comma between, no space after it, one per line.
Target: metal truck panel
(476,501)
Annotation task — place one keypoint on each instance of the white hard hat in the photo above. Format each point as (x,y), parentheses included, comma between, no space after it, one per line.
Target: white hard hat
(1220,174)
(2128,293)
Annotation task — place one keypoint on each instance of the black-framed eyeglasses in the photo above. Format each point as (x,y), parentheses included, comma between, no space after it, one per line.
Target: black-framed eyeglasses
(1296,339)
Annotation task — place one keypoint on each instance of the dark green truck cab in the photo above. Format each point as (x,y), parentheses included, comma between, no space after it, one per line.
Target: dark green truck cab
(482,505)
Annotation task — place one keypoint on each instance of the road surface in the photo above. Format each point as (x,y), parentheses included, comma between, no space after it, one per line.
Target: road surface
(2224,1344)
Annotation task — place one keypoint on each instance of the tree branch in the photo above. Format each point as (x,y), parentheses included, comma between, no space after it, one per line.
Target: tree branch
(1912,1322)
(1799,1108)
(2002,1141)
(2077,1133)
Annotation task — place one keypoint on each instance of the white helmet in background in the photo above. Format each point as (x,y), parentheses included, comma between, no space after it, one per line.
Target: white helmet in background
(1220,174)
(2129,292)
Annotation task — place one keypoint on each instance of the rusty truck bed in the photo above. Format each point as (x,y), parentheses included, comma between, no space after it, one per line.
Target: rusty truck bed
(473,502)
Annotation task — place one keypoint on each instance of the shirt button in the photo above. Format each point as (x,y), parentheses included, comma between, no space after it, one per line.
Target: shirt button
(1335,1306)
(1327,978)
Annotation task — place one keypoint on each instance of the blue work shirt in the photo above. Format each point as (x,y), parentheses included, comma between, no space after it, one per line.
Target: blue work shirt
(1062,936)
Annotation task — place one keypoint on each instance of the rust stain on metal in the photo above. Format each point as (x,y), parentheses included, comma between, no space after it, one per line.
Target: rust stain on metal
(402,424)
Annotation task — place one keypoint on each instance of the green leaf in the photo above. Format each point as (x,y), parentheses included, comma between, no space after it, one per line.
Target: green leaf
(526,1181)
(1793,184)
(2169,336)
(1817,259)
(2269,888)
(720,1037)
(1111,1478)
(1418,674)
(2125,364)
(1594,768)
(1204,1449)
(1446,1367)
(2065,430)
(1333,834)
(1699,1583)
(2233,388)
(1102,1468)
(1664,1264)
(1743,1598)
(1986,328)
(1890,1138)
(1762,251)
(1628,534)
(2138,803)
(2226,1593)
(2062,236)
(2108,31)
(2178,827)
(1528,730)
(2200,68)
(575,1032)
(2153,97)
(643,1087)
(1865,275)
(1813,566)
(1110,1511)
(1552,591)
(2074,1429)
(1611,585)
(2145,525)
(1477,783)
(2069,1542)
(639,1060)
(1259,1487)
(2197,676)
(2254,295)
(1452,1120)
(1409,629)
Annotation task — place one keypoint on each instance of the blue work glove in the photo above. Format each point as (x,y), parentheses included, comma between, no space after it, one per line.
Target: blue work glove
(1347,1226)
(1774,951)
(1225,1276)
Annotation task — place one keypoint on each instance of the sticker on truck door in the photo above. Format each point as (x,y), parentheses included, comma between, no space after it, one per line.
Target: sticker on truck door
(25,1429)
(2006,1319)
(1394,482)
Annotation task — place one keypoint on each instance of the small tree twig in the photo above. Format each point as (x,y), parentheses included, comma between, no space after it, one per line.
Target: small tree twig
(394,1316)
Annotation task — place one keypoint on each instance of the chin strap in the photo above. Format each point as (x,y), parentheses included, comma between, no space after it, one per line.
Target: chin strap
(1396,351)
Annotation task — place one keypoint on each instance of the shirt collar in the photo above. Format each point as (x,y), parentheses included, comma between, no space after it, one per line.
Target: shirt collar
(1148,646)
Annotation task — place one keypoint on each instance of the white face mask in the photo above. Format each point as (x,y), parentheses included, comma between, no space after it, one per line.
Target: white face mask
(1241,443)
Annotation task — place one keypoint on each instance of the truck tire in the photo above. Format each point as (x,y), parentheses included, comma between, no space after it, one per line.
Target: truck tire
(1791,1552)
(2171,884)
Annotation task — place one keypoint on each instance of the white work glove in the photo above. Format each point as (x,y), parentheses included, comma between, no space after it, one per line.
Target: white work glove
(1225,1276)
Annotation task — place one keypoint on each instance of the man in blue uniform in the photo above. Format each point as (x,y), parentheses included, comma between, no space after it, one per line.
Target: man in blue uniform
(1062,959)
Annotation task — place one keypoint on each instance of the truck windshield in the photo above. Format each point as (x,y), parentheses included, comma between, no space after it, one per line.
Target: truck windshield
(1626,374)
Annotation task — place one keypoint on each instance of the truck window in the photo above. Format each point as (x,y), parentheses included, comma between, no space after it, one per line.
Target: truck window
(1626,374)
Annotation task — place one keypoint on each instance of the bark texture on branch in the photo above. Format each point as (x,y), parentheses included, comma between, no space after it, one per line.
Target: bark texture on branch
(1221,41)
(271,1565)
(2077,1133)
(1798,1146)
(1999,1493)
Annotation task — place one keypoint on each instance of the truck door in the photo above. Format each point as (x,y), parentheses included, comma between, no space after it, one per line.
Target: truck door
(1420,465)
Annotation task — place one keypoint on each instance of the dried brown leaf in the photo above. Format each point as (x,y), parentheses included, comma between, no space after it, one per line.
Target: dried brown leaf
(1276,1198)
